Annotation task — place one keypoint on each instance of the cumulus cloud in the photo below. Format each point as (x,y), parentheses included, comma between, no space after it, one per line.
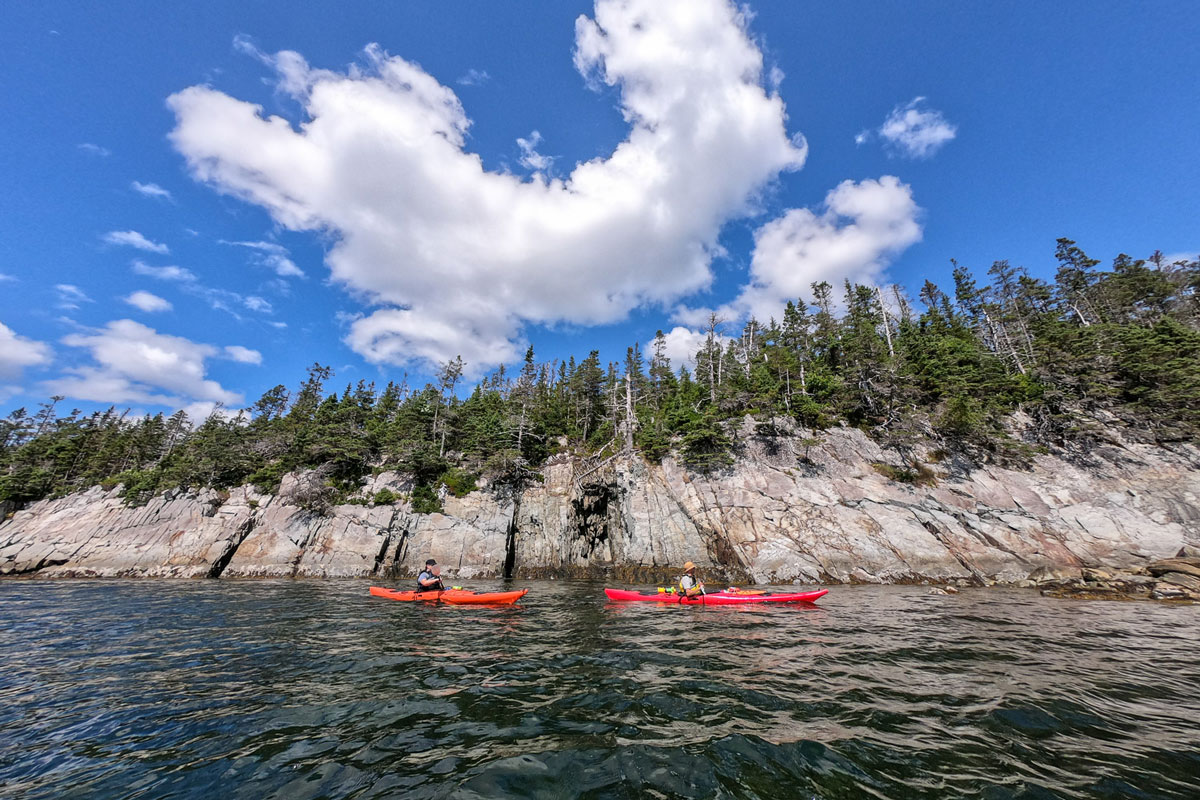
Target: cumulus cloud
(18,352)
(682,345)
(255,303)
(914,132)
(244,355)
(136,364)
(272,256)
(458,259)
(860,229)
(164,273)
(148,302)
(151,190)
(70,296)
(134,239)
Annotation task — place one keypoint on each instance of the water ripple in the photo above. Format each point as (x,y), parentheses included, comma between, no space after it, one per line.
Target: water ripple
(304,689)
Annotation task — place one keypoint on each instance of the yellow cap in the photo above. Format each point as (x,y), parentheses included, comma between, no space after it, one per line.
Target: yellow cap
(688,566)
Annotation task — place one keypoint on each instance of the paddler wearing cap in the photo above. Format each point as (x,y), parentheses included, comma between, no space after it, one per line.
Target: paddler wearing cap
(688,585)
(430,579)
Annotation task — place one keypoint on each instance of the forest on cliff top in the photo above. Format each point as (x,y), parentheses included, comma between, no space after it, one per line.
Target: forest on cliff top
(1121,345)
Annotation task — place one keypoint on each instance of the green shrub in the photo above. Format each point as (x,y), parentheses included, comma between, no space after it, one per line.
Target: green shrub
(267,478)
(425,501)
(706,445)
(385,497)
(140,485)
(809,413)
(458,482)
(920,475)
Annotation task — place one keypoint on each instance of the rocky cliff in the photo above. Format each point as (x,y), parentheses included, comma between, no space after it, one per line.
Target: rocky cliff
(786,511)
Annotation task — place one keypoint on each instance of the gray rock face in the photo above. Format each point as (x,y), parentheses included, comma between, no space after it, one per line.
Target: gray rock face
(777,516)
(784,512)
(287,541)
(93,534)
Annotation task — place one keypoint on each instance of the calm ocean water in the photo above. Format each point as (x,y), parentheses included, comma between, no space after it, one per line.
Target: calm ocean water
(307,689)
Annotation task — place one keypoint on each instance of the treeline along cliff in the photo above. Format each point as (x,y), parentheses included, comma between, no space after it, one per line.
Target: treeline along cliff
(992,373)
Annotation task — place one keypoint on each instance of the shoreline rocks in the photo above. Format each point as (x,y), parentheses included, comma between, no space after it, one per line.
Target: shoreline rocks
(1169,579)
(1125,524)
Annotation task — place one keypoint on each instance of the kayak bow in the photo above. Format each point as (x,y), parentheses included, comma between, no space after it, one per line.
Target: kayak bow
(457,597)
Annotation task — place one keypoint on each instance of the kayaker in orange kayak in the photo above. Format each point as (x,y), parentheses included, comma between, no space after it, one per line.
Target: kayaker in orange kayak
(688,585)
(430,579)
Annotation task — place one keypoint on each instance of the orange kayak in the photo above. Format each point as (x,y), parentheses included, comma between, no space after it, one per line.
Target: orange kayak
(458,597)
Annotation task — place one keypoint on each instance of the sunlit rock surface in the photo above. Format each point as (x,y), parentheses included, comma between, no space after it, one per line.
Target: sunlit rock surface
(784,512)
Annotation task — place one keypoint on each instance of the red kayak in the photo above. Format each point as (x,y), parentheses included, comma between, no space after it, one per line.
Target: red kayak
(714,598)
(458,597)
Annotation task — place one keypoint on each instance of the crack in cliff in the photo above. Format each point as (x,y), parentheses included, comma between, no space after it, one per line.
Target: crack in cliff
(591,513)
(401,547)
(387,542)
(933,529)
(240,535)
(510,541)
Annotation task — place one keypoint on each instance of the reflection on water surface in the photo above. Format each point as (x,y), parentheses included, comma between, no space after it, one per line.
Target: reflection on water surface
(303,689)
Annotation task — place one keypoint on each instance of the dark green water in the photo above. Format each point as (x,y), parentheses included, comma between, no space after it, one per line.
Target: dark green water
(301,689)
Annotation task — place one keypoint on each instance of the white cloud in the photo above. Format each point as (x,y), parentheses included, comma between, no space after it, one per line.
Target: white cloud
(151,190)
(17,352)
(530,157)
(682,344)
(136,364)
(273,256)
(854,237)
(474,77)
(219,299)
(244,355)
(1186,257)
(134,239)
(5,277)
(94,149)
(461,258)
(200,410)
(164,273)
(70,296)
(914,132)
(148,302)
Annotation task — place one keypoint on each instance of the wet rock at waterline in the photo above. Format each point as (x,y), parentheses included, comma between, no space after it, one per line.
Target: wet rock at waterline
(786,511)
(1170,579)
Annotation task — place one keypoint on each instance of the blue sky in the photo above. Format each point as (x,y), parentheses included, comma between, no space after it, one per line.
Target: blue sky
(360,231)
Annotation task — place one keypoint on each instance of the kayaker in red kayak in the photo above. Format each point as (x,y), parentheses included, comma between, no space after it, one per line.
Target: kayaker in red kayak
(688,585)
(430,579)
